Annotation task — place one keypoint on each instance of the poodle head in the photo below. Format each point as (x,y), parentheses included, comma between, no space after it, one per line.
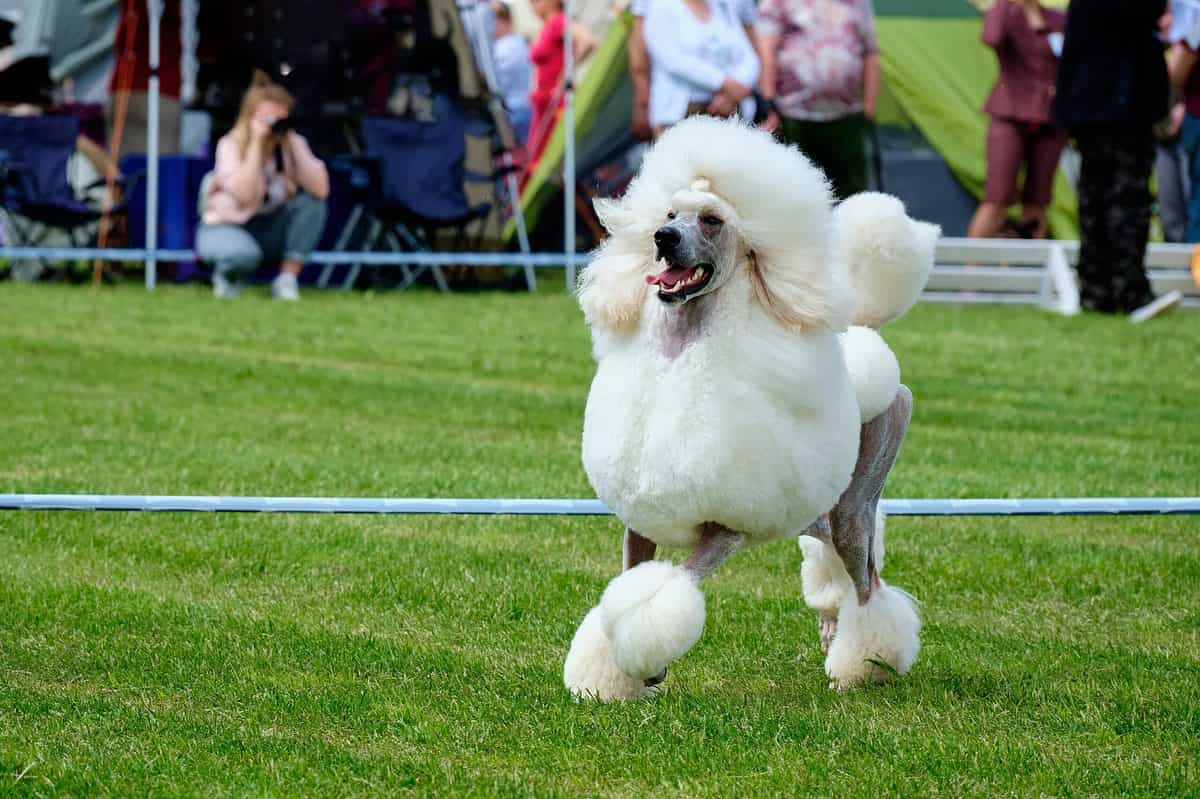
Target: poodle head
(716,201)
(698,246)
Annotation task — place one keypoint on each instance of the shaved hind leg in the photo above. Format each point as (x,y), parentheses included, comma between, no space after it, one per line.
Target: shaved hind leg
(852,520)
(847,533)
(876,623)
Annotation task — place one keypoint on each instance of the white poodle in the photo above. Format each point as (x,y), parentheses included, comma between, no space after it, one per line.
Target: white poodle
(732,404)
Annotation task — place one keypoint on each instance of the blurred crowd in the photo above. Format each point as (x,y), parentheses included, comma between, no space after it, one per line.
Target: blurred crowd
(1114,81)
(807,69)
(1098,76)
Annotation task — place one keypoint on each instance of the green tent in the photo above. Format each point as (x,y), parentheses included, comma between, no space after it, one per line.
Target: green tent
(936,74)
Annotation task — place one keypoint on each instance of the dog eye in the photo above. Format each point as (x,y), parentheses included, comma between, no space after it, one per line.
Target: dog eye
(712,220)
(670,214)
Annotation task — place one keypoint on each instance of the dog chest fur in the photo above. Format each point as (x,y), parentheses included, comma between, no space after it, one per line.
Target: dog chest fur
(747,425)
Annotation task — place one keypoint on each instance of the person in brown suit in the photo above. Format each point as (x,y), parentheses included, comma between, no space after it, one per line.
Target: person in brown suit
(1025,37)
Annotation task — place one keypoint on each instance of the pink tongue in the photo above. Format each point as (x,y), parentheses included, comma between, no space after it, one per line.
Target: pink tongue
(669,277)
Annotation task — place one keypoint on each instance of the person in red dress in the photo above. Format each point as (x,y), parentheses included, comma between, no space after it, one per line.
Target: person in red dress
(1025,37)
(546,53)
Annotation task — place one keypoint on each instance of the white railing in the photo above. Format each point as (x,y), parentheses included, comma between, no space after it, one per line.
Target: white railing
(1041,273)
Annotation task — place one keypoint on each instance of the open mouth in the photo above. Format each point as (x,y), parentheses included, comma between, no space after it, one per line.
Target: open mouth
(677,283)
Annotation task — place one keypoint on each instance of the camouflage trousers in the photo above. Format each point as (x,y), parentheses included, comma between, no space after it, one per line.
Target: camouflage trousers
(1114,218)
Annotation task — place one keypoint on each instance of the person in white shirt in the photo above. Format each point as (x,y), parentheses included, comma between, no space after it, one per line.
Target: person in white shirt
(639,57)
(513,71)
(701,61)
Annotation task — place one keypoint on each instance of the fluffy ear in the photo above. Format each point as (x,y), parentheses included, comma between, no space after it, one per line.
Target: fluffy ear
(612,289)
(797,300)
(612,214)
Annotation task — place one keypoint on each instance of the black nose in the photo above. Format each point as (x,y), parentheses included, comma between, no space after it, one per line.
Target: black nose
(666,239)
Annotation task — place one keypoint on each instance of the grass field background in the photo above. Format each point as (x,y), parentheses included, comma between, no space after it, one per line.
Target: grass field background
(234,655)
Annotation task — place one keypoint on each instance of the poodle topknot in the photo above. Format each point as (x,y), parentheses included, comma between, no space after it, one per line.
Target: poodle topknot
(811,267)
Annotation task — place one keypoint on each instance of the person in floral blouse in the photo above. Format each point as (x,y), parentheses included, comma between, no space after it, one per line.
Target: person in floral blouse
(820,68)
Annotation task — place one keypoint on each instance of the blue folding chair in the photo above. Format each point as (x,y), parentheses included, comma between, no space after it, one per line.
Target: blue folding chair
(411,187)
(35,195)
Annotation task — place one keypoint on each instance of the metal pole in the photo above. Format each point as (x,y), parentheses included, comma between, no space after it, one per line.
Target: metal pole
(1087,506)
(155,8)
(569,148)
(478,32)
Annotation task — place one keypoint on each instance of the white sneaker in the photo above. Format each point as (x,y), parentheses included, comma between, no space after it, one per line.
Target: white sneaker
(222,287)
(1166,302)
(285,287)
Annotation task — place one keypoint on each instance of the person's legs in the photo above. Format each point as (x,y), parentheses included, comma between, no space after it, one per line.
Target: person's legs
(1190,138)
(1005,151)
(1172,198)
(305,221)
(232,251)
(519,118)
(290,234)
(826,144)
(1095,241)
(792,131)
(1128,215)
(839,148)
(847,145)
(1044,147)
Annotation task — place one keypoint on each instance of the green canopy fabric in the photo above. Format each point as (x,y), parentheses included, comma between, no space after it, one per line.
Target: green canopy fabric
(939,73)
(606,76)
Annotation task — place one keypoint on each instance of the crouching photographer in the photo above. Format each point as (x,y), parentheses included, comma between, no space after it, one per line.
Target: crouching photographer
(266,196)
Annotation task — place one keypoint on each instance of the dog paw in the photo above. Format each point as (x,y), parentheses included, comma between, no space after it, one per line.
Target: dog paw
(652,615)
(590,671)
(874,641)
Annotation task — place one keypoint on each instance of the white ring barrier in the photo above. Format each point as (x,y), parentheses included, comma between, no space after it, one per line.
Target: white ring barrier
(1086,506)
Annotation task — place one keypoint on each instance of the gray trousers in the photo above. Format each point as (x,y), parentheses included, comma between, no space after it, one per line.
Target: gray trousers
(288,233)
(1171,173)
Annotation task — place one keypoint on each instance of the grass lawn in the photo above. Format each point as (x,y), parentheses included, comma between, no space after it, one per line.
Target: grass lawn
(233,655)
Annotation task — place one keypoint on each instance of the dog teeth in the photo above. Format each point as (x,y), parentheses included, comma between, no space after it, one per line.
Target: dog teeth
(695,277)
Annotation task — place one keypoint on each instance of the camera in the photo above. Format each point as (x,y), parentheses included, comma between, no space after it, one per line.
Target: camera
(281,126)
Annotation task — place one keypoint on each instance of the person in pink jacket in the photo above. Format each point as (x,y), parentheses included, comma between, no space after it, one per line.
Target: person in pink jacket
(266,197)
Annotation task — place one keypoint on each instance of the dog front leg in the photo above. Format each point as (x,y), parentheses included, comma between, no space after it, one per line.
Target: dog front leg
(636,549)
(875,622)
(654,613)
(715,546)
(590,670)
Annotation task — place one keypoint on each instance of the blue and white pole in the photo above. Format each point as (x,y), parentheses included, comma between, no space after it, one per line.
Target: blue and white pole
(1089,506)
(155,9)
(569,147)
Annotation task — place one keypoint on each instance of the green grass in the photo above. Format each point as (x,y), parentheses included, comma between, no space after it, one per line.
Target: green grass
(233,655)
